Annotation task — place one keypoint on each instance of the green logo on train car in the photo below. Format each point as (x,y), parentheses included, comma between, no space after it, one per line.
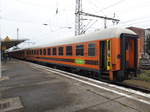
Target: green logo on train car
(79,61)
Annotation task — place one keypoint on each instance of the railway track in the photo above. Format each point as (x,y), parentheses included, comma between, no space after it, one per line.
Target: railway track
(145,66)
(120,84)
(137,88)
(129,86)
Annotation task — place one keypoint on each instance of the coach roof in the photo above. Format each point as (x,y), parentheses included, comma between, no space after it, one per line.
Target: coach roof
(98,35)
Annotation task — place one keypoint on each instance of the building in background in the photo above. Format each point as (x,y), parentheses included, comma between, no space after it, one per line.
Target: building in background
(147,41)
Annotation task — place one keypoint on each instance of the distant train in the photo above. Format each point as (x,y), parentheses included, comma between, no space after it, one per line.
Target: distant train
(111,53)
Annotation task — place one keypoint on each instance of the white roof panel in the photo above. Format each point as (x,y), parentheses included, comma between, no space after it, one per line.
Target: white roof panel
(103,34)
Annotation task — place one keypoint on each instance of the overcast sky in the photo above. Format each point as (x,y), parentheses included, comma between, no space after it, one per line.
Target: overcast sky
(30,15)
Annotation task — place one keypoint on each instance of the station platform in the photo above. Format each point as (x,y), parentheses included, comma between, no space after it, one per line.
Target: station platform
(31,89)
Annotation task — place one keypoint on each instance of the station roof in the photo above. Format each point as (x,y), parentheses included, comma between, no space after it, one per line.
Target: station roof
(8,43)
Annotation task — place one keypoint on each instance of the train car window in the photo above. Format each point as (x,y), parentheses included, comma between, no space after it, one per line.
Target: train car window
(35,52)
(69,51)
(49,51)
(61,51)
(54,51)
(44,51)
(32,52)
(40,51)
(109,45)
(92,49)
(80,50)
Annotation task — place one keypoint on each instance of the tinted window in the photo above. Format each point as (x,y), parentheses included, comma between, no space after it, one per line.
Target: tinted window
(80,50)
(49,51)
(54,51)
(69,50)
(40,51)
(34,51)
(44,51)
(61,51)
(91,49)
(37,52)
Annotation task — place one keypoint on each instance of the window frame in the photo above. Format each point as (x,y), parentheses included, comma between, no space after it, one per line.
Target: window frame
(91,47)
(69,52)
(49,51)
(54,52)
(61,52)
(83,49)
(41,52)
(34,52)
(37,51)
(44,51)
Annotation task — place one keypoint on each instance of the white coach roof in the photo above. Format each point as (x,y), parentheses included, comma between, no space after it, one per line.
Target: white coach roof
(103,34)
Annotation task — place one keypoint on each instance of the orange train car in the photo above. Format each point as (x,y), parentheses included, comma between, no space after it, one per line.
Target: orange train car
(111,53)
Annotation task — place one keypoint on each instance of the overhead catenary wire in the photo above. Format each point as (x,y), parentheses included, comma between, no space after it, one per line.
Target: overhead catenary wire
(93,2)
(134,20)
(89,26)
(110,6)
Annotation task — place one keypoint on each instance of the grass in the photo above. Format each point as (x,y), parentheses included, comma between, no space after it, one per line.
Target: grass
(142,79)
(144,75)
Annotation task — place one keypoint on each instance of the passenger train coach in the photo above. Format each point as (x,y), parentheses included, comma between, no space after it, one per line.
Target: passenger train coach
(111,53)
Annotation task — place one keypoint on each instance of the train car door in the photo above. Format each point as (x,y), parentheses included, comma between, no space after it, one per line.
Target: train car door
(105,55)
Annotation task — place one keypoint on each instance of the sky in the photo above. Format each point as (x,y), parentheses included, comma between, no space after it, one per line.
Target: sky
(31,15)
